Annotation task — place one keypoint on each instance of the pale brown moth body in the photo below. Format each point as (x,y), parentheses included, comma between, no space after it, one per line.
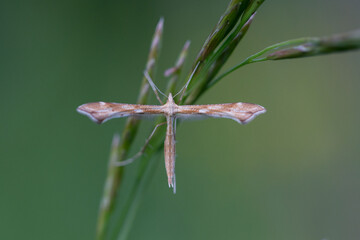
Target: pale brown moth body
(101,112)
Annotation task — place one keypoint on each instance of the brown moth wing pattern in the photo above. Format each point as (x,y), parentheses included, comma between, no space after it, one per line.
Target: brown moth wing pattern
(101,112)
(240,112)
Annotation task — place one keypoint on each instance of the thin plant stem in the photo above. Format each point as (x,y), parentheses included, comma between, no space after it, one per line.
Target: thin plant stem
(301,47)
(255,58)
(115,175)
(108,188)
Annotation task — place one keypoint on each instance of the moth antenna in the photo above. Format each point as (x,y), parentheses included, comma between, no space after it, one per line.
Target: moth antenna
(154,87)
(183,89)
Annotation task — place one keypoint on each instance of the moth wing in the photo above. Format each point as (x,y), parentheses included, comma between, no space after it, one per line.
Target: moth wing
(240,112)
(101,112)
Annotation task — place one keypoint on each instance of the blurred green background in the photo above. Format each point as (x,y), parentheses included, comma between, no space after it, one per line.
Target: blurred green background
(293,173)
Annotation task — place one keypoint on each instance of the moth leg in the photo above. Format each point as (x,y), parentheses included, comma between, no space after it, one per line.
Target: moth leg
(137,155)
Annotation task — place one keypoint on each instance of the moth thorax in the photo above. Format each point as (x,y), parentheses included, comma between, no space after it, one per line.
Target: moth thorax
(170,104)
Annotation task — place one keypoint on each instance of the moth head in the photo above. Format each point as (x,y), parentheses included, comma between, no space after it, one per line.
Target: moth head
(170,99)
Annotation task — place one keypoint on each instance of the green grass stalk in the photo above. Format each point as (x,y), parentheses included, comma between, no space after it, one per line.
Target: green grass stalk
(114,175)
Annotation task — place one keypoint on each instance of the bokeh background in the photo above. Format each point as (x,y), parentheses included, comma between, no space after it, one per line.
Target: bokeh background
(293,173)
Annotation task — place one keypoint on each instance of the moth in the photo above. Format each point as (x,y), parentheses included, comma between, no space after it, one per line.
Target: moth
(101,112)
